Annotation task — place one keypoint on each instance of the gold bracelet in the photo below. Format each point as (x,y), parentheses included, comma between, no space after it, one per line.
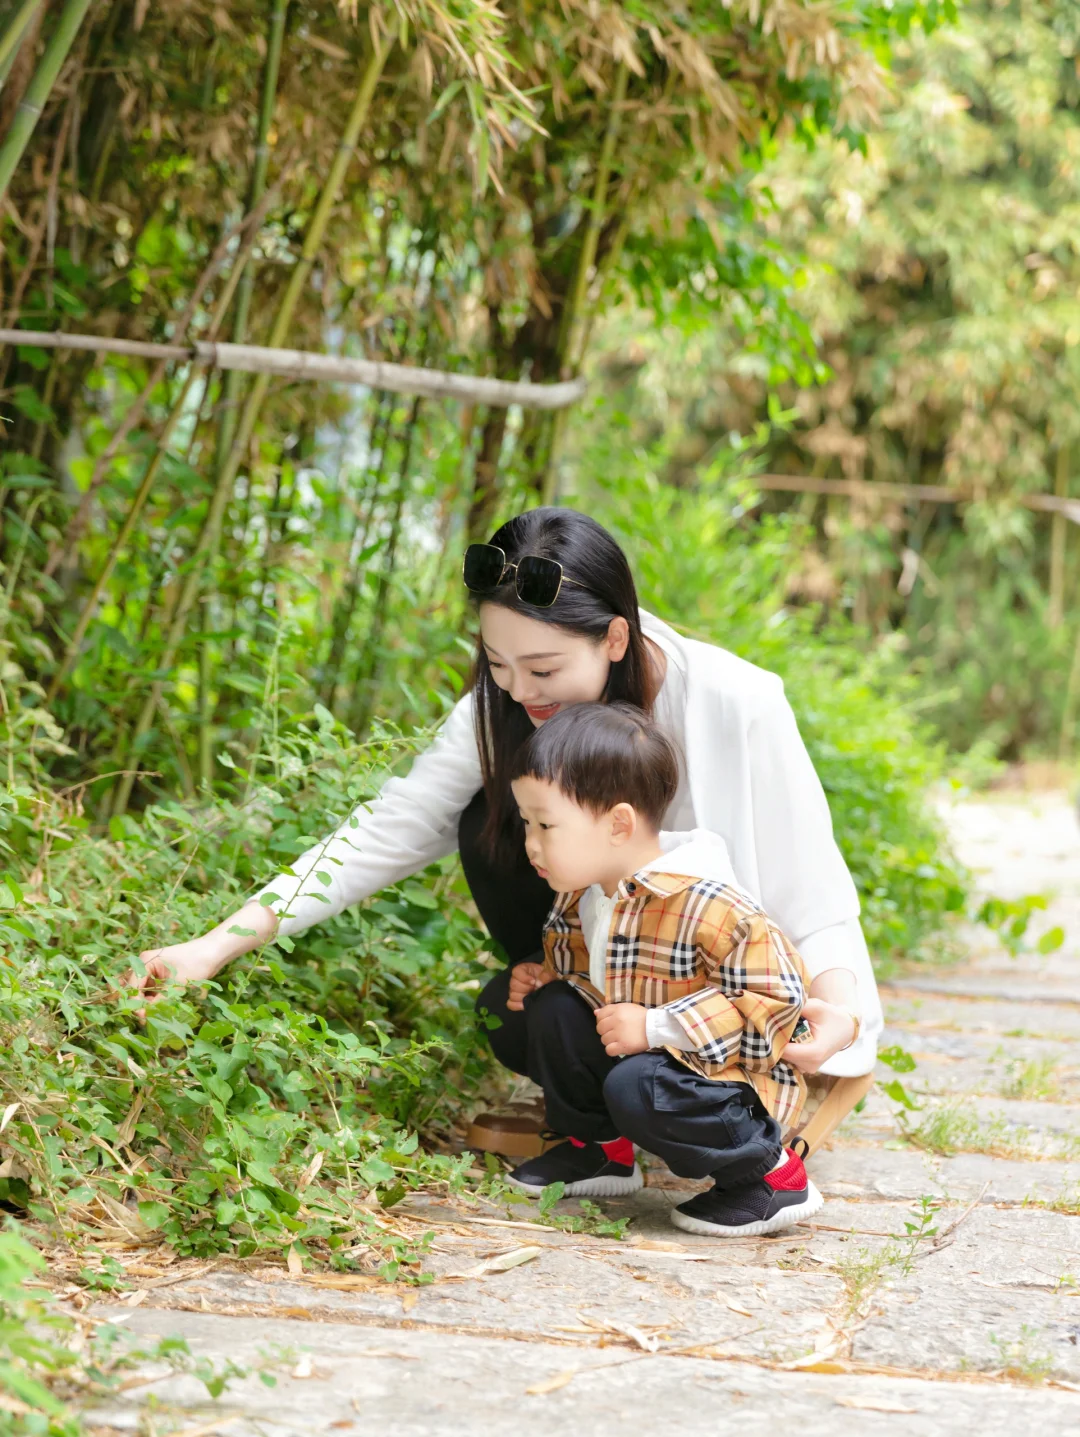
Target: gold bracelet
(858,1029)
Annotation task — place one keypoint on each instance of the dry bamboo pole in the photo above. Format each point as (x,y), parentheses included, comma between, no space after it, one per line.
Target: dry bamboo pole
(13,36)
(304,364)
(928,493)
(574,310)
(1058,541)
(143,492)
(64,552)
(206,543)
(39,90)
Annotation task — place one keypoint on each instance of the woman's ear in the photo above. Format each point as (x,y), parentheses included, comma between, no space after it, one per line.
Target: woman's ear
(624,822)
(618,639)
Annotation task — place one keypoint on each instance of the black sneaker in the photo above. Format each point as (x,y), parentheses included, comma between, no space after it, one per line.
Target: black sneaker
(587,1171)
(778,1200)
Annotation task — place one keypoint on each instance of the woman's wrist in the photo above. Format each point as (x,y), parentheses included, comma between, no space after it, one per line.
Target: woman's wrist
(258,923)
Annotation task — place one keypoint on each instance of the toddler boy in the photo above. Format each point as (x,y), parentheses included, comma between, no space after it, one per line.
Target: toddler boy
(666,995)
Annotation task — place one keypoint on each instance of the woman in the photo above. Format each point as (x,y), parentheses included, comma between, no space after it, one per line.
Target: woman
(559,625)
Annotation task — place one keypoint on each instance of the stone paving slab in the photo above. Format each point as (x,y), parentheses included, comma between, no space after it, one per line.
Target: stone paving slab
(912,1011)
(569,1292)
(420,1383)
(873,1171)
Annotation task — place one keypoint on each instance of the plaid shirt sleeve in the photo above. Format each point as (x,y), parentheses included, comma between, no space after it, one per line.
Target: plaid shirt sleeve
(757,987)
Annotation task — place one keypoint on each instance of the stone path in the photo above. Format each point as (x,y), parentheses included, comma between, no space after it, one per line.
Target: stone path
(855,1324)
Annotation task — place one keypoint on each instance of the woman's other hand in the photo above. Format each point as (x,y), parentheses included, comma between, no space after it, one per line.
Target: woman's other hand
(831,1028)
(526,978)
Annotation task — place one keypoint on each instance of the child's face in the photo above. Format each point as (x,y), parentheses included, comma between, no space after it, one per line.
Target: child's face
(569,846)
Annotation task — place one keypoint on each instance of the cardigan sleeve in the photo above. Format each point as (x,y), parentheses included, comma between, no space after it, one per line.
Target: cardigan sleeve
(410,823)
(804,882)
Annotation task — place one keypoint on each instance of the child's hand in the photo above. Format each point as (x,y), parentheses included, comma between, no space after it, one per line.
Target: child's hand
(526,978)
(622,1029)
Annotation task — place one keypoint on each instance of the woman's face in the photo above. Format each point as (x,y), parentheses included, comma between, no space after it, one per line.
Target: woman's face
(545,668)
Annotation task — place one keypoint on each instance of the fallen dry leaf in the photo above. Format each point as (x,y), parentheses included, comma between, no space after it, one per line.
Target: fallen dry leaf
(742,1311)
(409,1300)
(9,1113)
(134,1298)
(503,1263)
(561,1379)
(295,1262)
(873,1404)
(344,1281)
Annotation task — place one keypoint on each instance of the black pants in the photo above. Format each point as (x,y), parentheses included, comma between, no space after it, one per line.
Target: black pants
(513,901)
(700,1127)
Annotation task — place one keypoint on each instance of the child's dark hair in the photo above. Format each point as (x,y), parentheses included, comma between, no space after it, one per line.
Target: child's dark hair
(603,754)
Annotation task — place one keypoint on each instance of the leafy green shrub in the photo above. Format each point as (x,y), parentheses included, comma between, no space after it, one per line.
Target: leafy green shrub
(256,1113)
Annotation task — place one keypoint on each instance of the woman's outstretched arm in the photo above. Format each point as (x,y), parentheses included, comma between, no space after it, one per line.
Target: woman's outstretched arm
(201,958)
(410,823)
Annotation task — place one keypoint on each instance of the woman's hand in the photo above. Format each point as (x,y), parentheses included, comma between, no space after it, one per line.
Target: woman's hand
(201,958)
(191,962)
(526,978)
(831,1029)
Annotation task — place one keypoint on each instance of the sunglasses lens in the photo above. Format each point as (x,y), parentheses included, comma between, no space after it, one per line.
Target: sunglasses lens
(483,567)
(538,581)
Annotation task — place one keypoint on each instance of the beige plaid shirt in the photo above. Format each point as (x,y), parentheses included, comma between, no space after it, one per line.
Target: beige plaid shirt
(708,954)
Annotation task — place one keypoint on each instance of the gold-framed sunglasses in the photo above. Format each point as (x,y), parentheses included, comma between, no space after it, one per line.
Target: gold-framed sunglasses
(537,581)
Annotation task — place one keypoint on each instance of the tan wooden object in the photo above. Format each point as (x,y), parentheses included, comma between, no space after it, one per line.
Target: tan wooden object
(324,368)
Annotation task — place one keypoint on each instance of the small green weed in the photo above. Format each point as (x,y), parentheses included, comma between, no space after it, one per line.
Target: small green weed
(1035,1080)
(48,1361)
(949,1127)
(864,1271)
(1023,1358)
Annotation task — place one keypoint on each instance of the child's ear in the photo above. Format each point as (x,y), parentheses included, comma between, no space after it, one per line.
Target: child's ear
(624,822)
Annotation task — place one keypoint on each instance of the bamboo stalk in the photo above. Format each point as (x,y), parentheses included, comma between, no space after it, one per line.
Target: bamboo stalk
(231,397)
(206,544)
(39,89)
(79,520)
(575,305)
(143,492)
(13,36)
(345,606)
(304,364)
(365,695)
(1058,541)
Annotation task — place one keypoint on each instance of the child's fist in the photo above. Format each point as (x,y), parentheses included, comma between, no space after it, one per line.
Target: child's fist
(526,978)
(622,1029)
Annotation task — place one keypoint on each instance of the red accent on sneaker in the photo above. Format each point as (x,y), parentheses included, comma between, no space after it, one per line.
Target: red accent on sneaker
(576,1143)
(791,1178)
(619,1150)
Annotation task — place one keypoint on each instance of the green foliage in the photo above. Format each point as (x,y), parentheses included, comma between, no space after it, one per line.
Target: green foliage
(47,1361)
(253,1114)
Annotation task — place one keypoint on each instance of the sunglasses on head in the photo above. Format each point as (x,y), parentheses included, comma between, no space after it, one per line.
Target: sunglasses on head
(536,580)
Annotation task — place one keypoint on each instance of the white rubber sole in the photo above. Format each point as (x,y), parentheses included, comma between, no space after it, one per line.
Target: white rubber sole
(788,1217)
(589,1187)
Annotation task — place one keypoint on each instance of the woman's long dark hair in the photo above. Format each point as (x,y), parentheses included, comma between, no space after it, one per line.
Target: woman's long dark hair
(604,591)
